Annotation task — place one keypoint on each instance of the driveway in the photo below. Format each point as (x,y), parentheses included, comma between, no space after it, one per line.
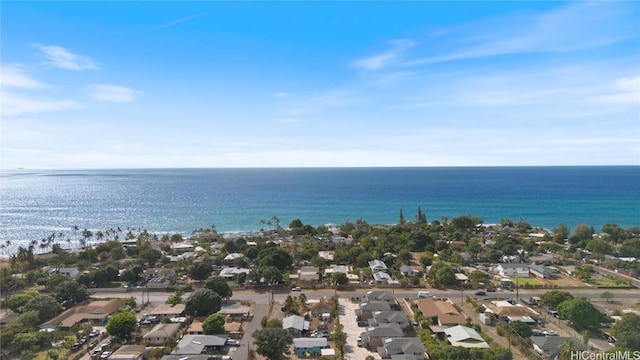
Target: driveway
(348,320)
(242,352)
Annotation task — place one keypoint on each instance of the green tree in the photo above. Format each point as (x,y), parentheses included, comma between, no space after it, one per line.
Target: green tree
(213,324)
(607,295)
(121,325)
(272,342)
(220,286)
(582,232)
(274,256)
(339,278)
(553,298)
(274,323)
(176,297)
(200,271)
(600,246)
(70,293)
(584,272)
(17,301)
(465,223)
(202,302)
(29,319)
(478,276)
(290,305)
(46,306)
(626,332)
(581,312)
(441,274)
(521,329)
(25,343)
(339,337)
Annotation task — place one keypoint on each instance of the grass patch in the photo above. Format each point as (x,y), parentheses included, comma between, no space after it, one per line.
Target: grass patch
(528,281)
(608,282)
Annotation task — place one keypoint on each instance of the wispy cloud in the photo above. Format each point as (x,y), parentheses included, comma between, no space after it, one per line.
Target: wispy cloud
(179,21)
(282,95)
(573,27)
(384,59)
(623,91)
(113,93)
(17,77)
(65,59)
(15,104)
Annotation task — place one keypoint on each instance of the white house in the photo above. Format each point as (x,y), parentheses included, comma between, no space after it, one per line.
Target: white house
(466,337)
(377,265)
(512,269)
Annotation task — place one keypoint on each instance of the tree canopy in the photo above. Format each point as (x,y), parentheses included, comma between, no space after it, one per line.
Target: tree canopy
(202,302)
(200,271)
(220,286)
(276,257)
(553,298)
(213,324)
(70,293)
(121,324)
(272,342)
(626,332)
(581,312)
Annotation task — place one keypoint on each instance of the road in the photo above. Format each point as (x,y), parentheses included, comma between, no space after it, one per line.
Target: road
(632,295)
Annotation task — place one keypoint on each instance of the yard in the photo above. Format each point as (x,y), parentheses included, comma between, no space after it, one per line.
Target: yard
(602,281)
(528,281)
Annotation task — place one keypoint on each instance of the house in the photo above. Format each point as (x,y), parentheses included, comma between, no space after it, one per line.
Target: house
(233,256)
(195,344)
(512,269)
(440,312)
(542,271)
(389,317)
(410,346)
(543,259)
(326,255)
(232,272)
(382,277)
(168,310)
(235,311)
(377,265)
(69,273)
(375,335)
(366,310)
(304,347)
(514,311)
(321,307)
(465,337)
(159,278)
(388,297)
(161,334)
(295,324)
(196,326)
(309,274)
(95,313)
(550,346)
(182,247)
(410,271)
(130,352)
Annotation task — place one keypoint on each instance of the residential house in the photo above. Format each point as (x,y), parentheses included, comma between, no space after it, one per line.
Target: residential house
(465,337)
(372,296)
(309,274)
(321,307)
(375,335)
(182,247)
(233,256)
(542,271)
(377,265)
(195,344)
(389,317)
(168,310)
(159,278)
(441,312)
(410,271)
(196,326)
(129,352)
(296,325)
(326,255)
(512,269)
(69,273)
(550,346)
(235,311)
(543,259)
(181,357)
(161,334)
(304,347)
(366,310)
(95,313)
(233,272)
(382,277)
(412,347)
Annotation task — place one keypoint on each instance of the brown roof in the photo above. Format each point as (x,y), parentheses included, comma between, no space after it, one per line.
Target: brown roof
(444,311)
(321,305)
(232,326)
(97,310)
(131,350)
(447,319)
(427,307)
(512,311)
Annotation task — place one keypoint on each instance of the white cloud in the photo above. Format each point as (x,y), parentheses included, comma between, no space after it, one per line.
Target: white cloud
(382,60)
(15,104)
(65,59)
(17,77)
(282,95)
(113,93)
(624,91)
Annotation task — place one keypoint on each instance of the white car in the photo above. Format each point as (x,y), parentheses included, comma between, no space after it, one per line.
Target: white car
(550,333)
(297,288)
(232,342)
(105,354)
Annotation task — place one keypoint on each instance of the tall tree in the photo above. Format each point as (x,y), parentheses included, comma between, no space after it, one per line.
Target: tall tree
(213,324)
(581,312)
(70,293)
(202,302)
(626,332)
(121,324)
(272,342)
(220,286)
(553,298)
(200,271)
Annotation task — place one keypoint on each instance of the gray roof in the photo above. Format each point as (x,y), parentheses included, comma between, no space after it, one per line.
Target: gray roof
(375,306)
(163,331)
(309,342)
(462,333)
(554,342)
(390,316)
(295,322)
(193,344)
(384,330)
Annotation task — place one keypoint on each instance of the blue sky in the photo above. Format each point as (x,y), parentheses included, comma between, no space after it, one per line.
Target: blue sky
(288,84)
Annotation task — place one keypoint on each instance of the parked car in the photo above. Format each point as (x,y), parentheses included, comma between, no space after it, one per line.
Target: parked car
(490,289)
(297,288)
(363,323)
(359,341)
(106,354)
(550,333)
(232,342)
(537,332)
(481,293)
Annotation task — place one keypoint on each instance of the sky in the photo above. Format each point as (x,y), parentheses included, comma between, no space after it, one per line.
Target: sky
(99,85)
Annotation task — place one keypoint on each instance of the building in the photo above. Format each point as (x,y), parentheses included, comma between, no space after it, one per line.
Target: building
(323,306)
(382,277)
(389,317)
(411,347)
(550,346)
(195,344)
(168,310)
(196,326)
(304,347)
(129,352)
(542,271)
(309,274)
(465,337)
(512,269)
(366,310)
(387,297)
(377,265)
(410,271)
(69,273)
(95,313)
(182,247)
(440,312)
(233,256)
(161,334)
(233,272)
(159,278)
(296,325)
(375,335)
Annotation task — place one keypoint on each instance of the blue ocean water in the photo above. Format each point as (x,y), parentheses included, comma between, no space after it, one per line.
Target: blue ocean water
(36,203)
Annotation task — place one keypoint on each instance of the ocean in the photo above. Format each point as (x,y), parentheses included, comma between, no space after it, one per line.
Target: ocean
(35,204)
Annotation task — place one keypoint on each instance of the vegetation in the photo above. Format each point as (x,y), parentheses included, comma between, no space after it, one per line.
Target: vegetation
(219,286)
(272,342)
(581,312)
(202,302)
(121,325)
(553,298)
(626,332)
(213,324)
